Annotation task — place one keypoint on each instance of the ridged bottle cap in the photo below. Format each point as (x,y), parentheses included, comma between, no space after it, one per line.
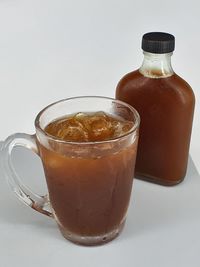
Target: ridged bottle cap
(158,42)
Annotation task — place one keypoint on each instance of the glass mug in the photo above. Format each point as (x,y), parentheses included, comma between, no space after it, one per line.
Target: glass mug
(89,183)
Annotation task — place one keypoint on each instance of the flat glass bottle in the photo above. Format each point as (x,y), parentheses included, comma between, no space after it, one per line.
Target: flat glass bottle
(165,103)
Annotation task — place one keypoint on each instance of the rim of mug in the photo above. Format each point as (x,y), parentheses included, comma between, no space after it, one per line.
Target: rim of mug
(55,139)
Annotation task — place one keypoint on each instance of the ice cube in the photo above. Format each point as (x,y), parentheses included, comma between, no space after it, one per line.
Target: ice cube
(101,128)
(73,133)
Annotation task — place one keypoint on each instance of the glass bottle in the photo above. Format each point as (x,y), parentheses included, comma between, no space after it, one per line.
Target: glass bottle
(165,103)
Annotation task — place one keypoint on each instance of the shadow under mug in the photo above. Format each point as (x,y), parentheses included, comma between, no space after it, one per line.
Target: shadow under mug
(89,183)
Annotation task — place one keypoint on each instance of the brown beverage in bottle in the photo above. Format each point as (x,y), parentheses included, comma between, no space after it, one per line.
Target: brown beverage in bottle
(165,103)
(89,188)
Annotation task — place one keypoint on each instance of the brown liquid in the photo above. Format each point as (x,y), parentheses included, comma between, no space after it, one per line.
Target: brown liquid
(166,107)
(89,187)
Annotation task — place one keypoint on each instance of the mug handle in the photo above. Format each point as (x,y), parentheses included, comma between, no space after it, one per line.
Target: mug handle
(29,198)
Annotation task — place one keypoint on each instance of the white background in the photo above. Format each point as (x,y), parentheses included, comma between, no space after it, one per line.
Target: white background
(51,50)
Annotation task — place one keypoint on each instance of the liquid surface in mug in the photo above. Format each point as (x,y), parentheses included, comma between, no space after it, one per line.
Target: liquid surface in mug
(90,191)
(88,127)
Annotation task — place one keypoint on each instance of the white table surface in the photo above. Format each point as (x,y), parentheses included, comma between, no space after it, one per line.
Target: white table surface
(51,50)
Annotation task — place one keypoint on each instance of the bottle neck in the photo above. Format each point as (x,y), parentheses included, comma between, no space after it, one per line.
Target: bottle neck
(156,65)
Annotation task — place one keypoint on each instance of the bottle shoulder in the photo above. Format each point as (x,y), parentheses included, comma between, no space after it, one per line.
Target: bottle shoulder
(179,80)
(129,81)
(181,87)
(134,83)
(130,76)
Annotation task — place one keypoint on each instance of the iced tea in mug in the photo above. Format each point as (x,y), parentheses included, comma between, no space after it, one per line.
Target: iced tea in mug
(88,148)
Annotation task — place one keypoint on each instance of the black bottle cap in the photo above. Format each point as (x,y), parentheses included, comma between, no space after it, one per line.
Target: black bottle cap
(158,42)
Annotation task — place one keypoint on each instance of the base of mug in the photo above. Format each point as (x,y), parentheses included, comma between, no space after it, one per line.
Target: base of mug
(92,240)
